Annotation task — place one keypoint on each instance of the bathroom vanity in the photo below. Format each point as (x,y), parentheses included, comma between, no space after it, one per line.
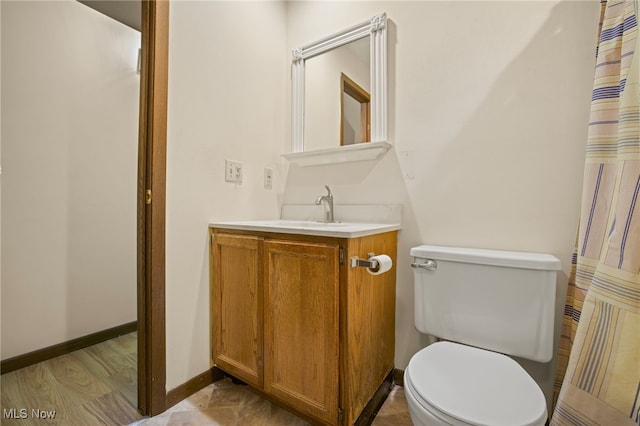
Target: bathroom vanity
(291,316)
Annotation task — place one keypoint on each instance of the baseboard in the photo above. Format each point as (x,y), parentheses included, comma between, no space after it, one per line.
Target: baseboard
(21,361)
(192,386)
(398,377)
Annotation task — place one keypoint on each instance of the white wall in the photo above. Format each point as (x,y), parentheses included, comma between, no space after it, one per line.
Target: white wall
(488,115)
(228,77)
(69,150)
(488,110)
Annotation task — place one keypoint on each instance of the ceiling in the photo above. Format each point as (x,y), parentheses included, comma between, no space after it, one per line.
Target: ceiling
(126,11)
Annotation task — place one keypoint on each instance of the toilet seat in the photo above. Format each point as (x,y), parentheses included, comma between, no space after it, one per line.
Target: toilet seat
(464,385)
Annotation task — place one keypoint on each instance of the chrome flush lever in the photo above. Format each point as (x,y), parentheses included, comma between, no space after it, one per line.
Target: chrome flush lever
(429,265)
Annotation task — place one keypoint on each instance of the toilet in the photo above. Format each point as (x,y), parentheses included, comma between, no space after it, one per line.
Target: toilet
(484,306)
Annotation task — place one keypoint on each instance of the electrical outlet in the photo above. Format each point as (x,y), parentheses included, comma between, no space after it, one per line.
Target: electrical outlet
(232,171)
(268,178)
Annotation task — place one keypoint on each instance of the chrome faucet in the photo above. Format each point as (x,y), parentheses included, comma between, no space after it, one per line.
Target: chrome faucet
(328,210)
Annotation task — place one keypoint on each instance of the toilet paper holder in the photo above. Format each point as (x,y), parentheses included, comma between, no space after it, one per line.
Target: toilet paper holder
(365,263)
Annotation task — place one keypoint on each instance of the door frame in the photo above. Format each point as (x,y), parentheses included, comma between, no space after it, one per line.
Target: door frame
(152,144)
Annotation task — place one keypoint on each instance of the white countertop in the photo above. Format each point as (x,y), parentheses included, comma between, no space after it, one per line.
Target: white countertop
(302,227)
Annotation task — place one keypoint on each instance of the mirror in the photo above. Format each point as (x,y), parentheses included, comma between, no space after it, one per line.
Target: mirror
(355,112)
(339,92)
(327,111)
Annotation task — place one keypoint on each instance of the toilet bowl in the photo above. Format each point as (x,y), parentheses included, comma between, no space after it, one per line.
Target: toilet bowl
(486,305)
(452,384)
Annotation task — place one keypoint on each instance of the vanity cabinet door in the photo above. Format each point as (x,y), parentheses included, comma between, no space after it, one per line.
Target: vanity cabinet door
(301,328)
(236,306)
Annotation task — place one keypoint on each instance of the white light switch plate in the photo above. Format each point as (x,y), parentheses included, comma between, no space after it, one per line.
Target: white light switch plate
(232,171)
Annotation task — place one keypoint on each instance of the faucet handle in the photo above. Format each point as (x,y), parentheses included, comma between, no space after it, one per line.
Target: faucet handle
(328,190)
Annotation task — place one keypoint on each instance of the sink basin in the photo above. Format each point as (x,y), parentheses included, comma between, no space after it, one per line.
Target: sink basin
(304,227)
(310,224)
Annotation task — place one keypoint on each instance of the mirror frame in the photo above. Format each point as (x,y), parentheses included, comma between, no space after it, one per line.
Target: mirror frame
(376,28)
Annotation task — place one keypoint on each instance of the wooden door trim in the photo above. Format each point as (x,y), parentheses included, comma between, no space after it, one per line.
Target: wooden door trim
(360,95)
(152,143)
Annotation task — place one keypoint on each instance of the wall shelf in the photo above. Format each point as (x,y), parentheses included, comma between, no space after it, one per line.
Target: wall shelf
(343,154)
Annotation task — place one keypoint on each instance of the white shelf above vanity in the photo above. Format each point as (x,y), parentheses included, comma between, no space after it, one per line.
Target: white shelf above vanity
(344,154)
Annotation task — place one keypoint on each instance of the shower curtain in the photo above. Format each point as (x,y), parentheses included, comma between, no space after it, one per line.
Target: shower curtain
(598,378)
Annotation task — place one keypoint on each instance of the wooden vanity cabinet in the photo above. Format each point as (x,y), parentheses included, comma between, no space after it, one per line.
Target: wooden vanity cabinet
(290,317)
(236,306)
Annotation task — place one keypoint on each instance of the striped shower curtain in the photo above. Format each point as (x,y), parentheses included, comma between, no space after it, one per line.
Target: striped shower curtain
(598,381)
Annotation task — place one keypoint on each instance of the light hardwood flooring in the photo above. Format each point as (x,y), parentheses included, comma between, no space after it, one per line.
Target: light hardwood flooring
(97,386)
(93,386)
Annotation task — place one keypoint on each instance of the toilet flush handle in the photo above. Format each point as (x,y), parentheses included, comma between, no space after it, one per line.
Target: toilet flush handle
(429,265)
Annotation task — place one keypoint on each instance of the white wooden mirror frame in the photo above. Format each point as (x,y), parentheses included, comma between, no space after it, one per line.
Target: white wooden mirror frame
(376,28)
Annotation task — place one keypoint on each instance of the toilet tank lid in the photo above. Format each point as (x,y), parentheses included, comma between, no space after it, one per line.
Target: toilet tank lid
(513,259)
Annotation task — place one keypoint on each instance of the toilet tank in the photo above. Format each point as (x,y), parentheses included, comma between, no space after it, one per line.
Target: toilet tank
(498,300)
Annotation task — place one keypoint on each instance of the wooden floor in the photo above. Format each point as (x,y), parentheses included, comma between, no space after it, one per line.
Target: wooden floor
(93,386)
(97,386)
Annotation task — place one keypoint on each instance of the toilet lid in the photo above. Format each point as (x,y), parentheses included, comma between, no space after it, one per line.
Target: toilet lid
(476,386)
